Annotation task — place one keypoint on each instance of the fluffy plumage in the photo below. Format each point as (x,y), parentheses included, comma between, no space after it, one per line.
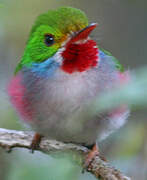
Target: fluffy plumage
(52,95)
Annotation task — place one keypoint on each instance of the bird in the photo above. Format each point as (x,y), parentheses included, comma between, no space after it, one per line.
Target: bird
(60,73)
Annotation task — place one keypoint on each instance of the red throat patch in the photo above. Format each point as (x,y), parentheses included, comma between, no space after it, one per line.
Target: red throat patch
(80,57)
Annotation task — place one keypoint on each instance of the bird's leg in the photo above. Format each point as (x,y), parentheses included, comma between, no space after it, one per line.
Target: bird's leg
(35,142)
(94,151)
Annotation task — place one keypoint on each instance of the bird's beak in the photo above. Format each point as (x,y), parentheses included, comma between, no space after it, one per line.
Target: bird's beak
(84,33)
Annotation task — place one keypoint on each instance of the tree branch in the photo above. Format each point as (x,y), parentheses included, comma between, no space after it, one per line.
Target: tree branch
(10,139)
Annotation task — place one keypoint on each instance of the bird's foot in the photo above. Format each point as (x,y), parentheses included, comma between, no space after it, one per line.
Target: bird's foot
(35,142)
(94,151)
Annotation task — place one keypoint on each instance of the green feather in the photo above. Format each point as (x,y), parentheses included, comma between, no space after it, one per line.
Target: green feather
(59,23)
(117,63)
(65,18)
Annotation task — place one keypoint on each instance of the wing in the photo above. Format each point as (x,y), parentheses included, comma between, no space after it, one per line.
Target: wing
(104,53)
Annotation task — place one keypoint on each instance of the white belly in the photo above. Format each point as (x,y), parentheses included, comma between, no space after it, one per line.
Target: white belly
(60,105)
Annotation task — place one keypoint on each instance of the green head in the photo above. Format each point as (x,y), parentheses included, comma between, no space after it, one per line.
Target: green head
(49,33)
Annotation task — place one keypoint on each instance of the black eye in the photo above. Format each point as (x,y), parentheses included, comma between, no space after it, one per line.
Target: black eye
(49,39)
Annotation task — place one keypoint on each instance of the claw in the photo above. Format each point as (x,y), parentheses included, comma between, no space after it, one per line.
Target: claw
(35,142)
(90,157)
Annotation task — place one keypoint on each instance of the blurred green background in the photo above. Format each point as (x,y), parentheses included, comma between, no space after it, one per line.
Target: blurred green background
(123,31)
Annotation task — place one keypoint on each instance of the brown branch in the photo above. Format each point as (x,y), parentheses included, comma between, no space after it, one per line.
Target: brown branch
(10,139)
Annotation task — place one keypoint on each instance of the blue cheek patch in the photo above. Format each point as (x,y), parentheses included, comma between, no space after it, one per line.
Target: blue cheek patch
(46,68)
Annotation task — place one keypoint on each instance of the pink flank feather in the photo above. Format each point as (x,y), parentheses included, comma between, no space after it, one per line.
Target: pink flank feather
(16,92)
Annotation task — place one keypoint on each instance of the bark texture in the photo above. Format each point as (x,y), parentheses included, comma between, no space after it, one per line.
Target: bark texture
(10,139)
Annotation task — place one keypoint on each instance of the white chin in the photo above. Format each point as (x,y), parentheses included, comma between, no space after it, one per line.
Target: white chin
(57,57)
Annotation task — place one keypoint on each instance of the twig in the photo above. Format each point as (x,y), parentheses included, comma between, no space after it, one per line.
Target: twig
(10,139)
